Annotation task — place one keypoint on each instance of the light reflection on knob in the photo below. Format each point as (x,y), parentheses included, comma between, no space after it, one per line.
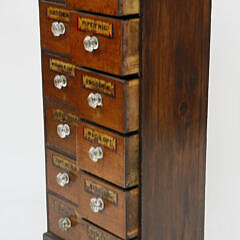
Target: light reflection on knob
(90,43)
(97,205)
(58,29)
(95,154)
(95,100)
(63,130)
(63,179)
(60,81)
(65,224)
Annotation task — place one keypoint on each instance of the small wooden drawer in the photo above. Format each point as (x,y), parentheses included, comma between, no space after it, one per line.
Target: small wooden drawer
(54,26)
(59,79)
(108,155)
(62,175)
(108,7)
(61,212)
(109,207)
(76,87)
(106,44)
(60,126)
(108,101)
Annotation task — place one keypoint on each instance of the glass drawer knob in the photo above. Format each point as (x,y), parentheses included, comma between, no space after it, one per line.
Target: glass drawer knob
(63,130)
(60,81)
(97,205)
(64,224)
(63,179)
(95,100)
(90,43)
(95,154)
(58,28)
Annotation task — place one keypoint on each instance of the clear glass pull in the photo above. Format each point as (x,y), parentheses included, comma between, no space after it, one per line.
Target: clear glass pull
(95,100)
(95,154)
(63,179)
(65,224)
(58,29)
(60,81)
(97,205)
(63,130)
(90,43)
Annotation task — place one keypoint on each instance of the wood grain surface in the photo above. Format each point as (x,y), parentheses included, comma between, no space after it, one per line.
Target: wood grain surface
(118,51)
(108,7)
(59,44)
(56,114)
(120,214)
(175,62)
(119,166)
(58,163)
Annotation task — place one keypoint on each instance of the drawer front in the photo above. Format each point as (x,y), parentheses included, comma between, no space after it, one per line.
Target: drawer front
(108,7)
(61,212)
(109,207)
(108,101)
(106,44)
(60,124)
(108,155)
(59,82)
(62,175)
(55,28)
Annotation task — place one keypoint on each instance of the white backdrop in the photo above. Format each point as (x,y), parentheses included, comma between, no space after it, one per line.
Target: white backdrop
(22,181)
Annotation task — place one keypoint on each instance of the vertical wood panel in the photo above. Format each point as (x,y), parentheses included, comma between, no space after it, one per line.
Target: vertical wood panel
(174,90)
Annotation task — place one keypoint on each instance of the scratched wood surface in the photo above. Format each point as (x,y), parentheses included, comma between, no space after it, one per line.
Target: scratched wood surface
(61,44)
(112,7)
(120,214)
(58,163)
(118,51)
(175,62)
(120,164)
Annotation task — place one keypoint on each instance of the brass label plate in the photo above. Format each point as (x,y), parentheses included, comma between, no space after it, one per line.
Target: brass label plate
(65,164)
(99,85)
(95,26)
(100,138)
(95,234)
(61,67)
(58,14)
(61,116)
(100,191)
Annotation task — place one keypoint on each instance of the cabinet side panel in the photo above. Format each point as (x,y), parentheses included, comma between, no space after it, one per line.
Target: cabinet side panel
(174,92)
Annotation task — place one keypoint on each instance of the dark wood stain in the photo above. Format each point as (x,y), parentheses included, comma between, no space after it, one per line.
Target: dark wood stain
(175,55)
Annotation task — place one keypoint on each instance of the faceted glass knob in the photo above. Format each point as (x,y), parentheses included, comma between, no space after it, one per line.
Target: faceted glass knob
(58,29)
(97,205)
(64,224)
(63,130)
(60,81)
(63,179)
(95,100)
(90,43)
(95,154)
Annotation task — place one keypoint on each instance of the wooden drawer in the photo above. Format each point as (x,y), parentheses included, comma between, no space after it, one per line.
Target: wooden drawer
(118,43)
(120,98)
(81,230)
(120,161)
(115,210)
(108,7)
(55,14)
(59,210)
(65,120)
(59,79)
(62,175)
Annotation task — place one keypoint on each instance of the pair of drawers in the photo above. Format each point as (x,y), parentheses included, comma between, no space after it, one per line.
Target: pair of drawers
(103,43)
(102,99)
(101,203)
(104,153)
